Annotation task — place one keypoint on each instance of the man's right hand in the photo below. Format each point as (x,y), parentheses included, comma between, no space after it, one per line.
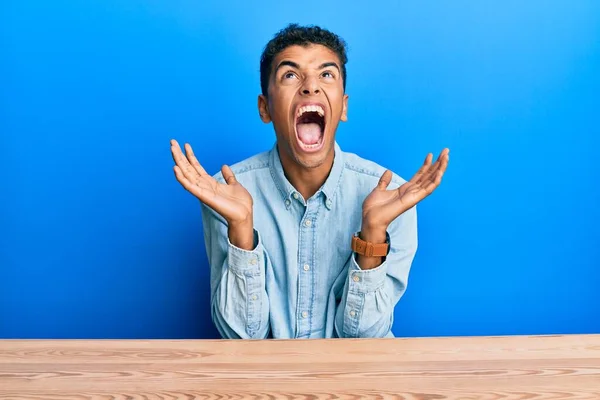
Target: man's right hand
(231,200)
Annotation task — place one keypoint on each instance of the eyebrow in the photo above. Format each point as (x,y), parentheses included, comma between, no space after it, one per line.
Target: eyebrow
(295,65)
(329,64)
(288,63)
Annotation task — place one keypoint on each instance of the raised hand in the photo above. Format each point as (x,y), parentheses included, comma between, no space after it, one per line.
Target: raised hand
(382,206)
(231,200)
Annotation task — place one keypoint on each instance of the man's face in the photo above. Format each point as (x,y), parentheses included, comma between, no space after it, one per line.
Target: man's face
(305,102)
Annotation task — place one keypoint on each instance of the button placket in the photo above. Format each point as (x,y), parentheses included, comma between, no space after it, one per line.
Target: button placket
(306,271)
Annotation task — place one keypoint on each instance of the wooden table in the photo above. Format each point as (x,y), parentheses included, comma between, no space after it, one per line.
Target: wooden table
(514,367)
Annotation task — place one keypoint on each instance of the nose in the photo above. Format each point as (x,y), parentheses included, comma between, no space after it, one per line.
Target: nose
(311,86)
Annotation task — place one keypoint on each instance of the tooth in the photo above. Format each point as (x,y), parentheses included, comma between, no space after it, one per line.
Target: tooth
(311,108)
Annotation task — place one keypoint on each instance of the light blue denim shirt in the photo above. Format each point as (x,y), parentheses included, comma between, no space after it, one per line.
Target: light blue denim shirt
(302,279)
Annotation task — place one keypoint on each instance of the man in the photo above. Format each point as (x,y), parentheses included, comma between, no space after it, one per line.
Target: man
(305,240)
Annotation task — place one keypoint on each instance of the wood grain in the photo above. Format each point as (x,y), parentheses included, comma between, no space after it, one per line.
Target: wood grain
(494,368)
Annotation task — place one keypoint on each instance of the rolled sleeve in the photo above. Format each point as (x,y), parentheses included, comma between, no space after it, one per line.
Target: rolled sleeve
(239,301)
(367,305)
(246,262)
(364,281)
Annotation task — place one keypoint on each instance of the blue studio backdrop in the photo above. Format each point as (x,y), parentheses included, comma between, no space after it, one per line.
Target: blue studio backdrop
(98,240)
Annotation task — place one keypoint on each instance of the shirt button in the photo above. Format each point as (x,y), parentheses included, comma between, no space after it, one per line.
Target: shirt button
(352,313)
(355,278)
(287,203)
(308,222)
(306,267)
(254,297)
(253,261)
(296,196)
(304,314)
(328,203)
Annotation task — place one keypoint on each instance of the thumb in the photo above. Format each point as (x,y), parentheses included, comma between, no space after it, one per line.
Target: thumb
(228,175)
(385,180)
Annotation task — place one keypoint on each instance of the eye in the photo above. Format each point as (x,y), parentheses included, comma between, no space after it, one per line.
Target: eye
(328,74)
(289,75)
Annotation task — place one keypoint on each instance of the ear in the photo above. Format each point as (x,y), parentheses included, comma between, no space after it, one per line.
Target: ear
(263,109)
(344,116)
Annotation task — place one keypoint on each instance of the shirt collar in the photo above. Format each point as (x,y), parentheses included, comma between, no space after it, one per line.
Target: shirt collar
(286,189)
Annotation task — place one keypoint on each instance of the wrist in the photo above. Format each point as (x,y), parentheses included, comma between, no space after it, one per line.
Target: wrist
(241,234)
(373,233)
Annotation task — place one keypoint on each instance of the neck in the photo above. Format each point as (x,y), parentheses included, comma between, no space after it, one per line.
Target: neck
(306,180)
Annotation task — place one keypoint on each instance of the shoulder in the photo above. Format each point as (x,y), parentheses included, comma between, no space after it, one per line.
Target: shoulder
(247,168)
(367,170)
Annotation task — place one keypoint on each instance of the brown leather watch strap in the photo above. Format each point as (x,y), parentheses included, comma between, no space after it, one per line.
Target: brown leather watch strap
(369,249)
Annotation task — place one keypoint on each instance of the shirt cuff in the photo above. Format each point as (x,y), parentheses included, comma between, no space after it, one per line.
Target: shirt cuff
(369,280)
(246,262)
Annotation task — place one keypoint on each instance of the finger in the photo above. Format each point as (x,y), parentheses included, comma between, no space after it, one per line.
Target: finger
(444,161)
(385,180)
(175,149)
(190,186)
(432,171)
(193,160)
(177,154)
(432,184)
(429,173)
(424,168)
(228,175)
(434,180)
(182,162)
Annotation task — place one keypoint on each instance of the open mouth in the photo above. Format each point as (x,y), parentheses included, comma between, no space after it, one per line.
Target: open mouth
(310,127)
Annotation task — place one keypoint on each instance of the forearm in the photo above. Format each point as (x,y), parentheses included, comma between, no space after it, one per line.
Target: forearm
(239,302)
(240,305)
(374,287)
(366,307)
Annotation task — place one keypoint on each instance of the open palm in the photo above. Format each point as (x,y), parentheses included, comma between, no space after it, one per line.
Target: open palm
(231,200)
(382,206)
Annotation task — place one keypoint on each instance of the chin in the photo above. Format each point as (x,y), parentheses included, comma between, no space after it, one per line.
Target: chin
(314,157)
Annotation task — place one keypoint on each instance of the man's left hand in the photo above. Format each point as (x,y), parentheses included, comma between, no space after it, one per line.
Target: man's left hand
(382,206)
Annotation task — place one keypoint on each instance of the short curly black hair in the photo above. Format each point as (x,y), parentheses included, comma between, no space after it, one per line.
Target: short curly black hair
(294,34)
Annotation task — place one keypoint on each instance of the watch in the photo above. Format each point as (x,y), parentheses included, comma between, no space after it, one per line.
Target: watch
(369,249)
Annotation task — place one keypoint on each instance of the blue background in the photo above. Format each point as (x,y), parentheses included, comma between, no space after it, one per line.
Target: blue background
(98,240)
